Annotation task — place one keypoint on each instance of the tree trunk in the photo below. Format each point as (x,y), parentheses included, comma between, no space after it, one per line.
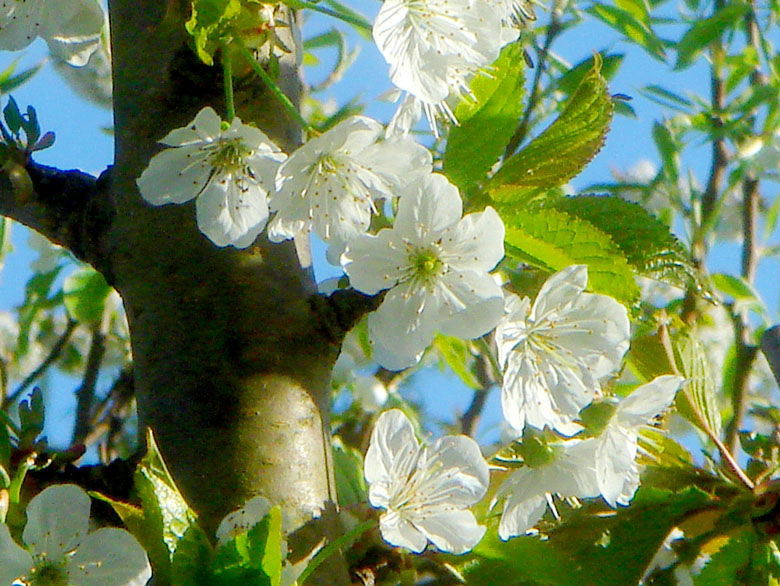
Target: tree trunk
(231,365)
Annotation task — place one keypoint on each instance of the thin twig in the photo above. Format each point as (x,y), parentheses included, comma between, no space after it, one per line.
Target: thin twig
(85,394)
(470,420)
(53,355)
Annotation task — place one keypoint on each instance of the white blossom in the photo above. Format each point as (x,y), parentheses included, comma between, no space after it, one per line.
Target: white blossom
(61,549)
(570,472)
(426,491)
(330,183)
(555,351)
(436,265)
(71,28)
(616,445)
(434,46)
(229,172)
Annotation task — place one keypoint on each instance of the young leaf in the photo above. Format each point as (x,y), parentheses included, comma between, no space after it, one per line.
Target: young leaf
(726,563)
(644,240)
(191,560)
(487,119)
(166,513)
(633,24)
(552,240)
(565,147)
(207,25)
(698,397)
(572,79)
(348,465)
(456,355)
(85,295)
(703,32)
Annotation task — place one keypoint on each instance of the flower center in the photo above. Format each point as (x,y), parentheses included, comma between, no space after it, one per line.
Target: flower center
(230,155)
(48,574)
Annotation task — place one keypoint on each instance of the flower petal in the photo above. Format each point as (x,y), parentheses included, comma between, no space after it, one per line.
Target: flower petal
(109,557)
(397,530)
(57,520)
(243,519)
(374,263)
(454,531)
(15,561)
(648,401)
(393,447)
(232,211)
(428,206)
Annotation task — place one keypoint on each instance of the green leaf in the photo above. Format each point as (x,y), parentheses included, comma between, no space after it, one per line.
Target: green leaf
(699,394)
(255,554)
(9,81)
(208,25)
(13,117)
(703,32)
(192,559)
(551,239)
(37,297)
(85,295)
(456,355)
(348,464)
(588,549)
(487,119)
(645,241)
(647,357)
(744,294)
(725,565)
(564,148)
(571,80)
(633,24)
(166,514)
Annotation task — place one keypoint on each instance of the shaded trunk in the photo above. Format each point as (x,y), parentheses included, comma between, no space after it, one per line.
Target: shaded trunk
(231,367)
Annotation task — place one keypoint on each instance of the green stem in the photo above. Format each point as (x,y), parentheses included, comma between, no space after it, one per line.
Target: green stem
(358,22)
(278,93)
(227,74)
(334,546)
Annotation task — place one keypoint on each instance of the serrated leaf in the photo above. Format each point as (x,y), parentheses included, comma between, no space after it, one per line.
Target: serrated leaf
(348,464)
(85,293)
(456,355)
(726,563)
(564,148)
(644,240)
(487,119)
(571,80)
(703,32)
(632,24)
(647,357)
(552,240)
(698,396)
(167,515)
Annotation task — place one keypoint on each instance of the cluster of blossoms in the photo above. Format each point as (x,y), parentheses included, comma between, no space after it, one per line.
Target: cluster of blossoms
(434,261)
(556,353)
(435,46)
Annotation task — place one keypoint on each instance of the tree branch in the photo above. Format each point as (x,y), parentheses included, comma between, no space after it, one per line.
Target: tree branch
(67,207)
(85,394)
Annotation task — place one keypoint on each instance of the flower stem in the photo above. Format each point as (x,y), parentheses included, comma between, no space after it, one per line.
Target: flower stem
(353,20)
(275,90)
(227,74)
(335,545)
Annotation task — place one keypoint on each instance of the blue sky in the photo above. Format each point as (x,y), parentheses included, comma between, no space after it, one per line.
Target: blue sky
(82,142)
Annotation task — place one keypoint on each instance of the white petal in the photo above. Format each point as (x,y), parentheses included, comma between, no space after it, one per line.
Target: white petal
(454,531)
(374,263)
(464,473)
(15,562)
(648,401)
(232,211)
(472,304)
(20,23)
(398,531)
(205,128)
(560,290)
(243,519)
(522,508)
(393,447)
(404,325)
(73,30)
(615,455)
(57,520)
(109,557)
(175,175)
(429,206)
(476,242)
